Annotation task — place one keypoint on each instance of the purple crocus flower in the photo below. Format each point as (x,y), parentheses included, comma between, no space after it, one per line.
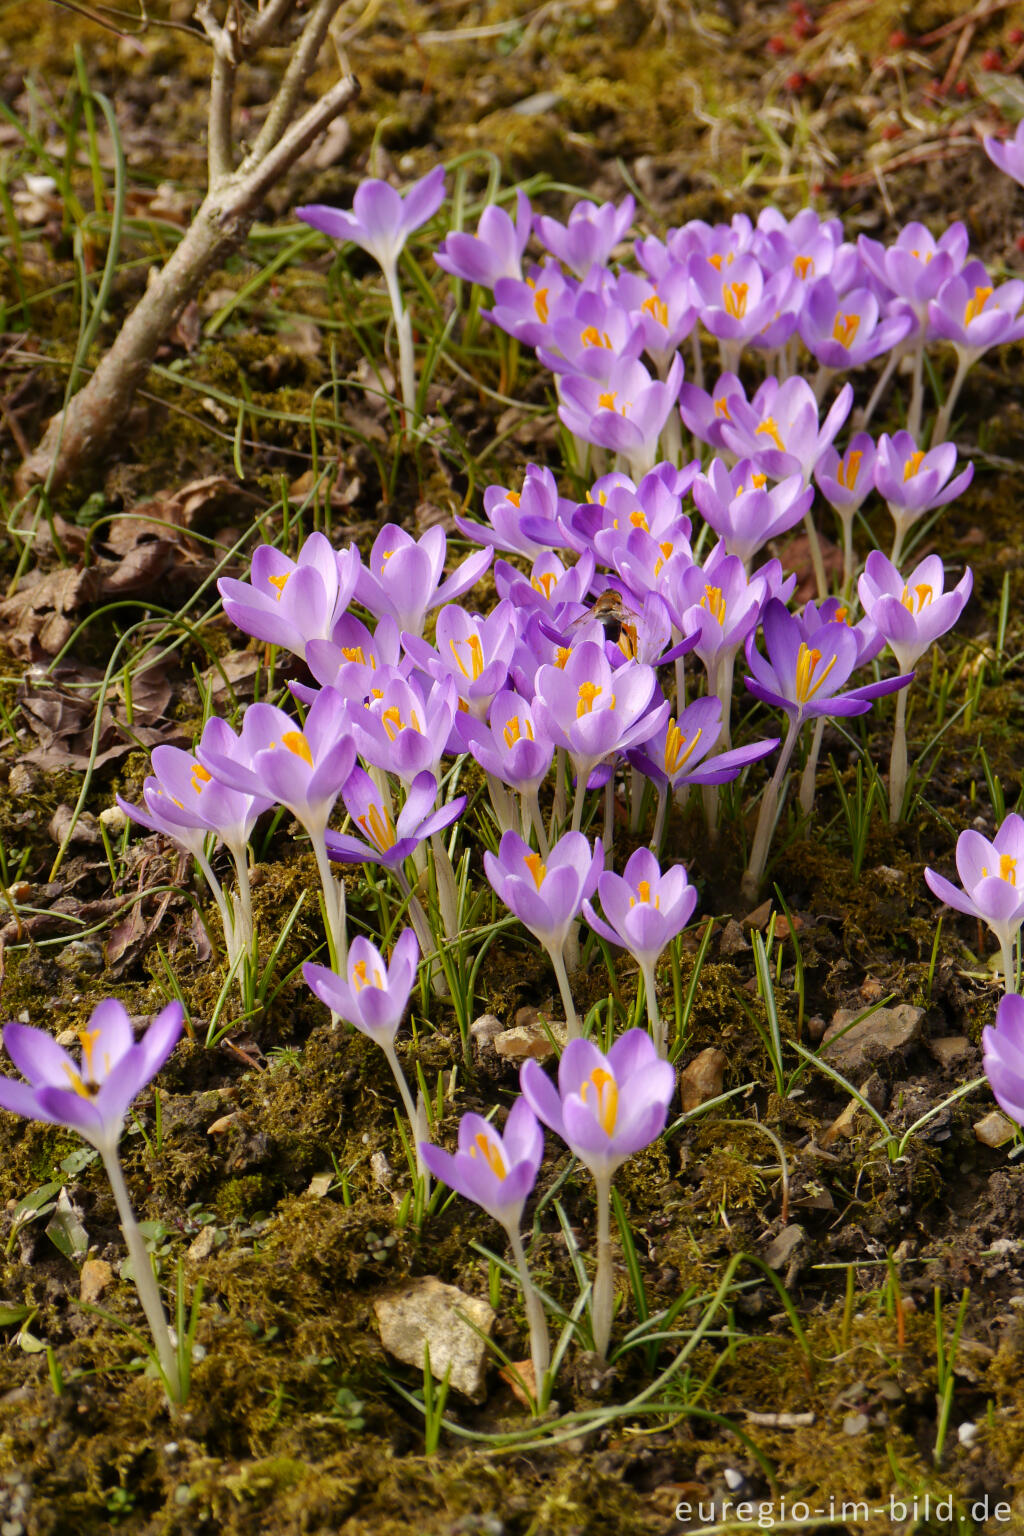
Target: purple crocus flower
(523,522)
(386,840)
(373,998)
(494,252)
(779,429)
(511,751)
(845,481)
(354,660)
(973,315)
(291,602)
(916,265)
(184,801)
(497,1171)
(914,482)
(1007,154)
(527,309)
(746,512)
(593,712)
(589,237)
(707,414)
(911,614)
(734,301)
(406,730)
(302,768)
(627,418)
(594,339)
(1004,1056)
(382,219)
(92,1097)
(664,310)
(546,894)
(845,330)
(802,675)
(550,584)
(380,223)
(992,876)
(403,576)
(643,911)
(474,651)
(605,1109)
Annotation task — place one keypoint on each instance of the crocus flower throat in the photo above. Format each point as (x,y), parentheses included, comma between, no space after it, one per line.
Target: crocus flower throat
(606,1092)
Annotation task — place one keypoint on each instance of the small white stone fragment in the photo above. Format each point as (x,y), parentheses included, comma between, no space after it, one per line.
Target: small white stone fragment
(427,1312)
(967,1433)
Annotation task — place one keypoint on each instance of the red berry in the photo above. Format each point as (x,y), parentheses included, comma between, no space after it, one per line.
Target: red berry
(1020,242)
(1015,36)
(898,40)
(804,26)
(961,87)
(992,60)
(777,45)
(891,131)
(796,81)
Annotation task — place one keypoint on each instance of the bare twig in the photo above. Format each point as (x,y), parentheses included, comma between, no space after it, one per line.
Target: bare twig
(91,418)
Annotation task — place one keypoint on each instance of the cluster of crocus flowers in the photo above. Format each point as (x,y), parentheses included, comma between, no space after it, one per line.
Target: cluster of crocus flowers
(605,1108)
(92,1096)
(991,886)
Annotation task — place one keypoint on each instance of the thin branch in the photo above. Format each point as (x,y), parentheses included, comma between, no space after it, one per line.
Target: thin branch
(302,62)
(261,28)
(254,181)
(219,137)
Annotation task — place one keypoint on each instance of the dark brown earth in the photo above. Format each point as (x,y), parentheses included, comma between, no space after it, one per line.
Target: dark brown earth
(870,111)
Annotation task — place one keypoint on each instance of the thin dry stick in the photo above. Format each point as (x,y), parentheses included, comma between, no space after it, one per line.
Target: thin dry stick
(87,426)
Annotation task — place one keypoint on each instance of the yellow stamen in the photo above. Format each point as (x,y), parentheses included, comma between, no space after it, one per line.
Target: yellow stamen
(807,684)
(296,743)
(517,730)
(977,304)
(562,655)
(849,468)
(360,979)
(714,602)
(643,894)
(678,748)
(606,1091)
(476,656)
(540,305)
(716,261)
(199,778)
(803,266)
(913,464)
(536,867)
(769,428)
(845,328)
(514,497)
(734,297)
(544,584)
(354,653)
(638,520)
(588,692)
(722,409)
(916,600)
(485,1148)
(379,827)
(279,583)
(656,308)
(391,720)
(88,1038)
(592,337)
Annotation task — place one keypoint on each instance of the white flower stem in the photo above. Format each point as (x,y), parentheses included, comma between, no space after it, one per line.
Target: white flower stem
(540,1343)
(1008,964)
(447,890)
(891,365)
(768,814)
(817,562)
(659,819)
(602,1304)
(964,362)
(558,806)
(418,1128)
(424,935)
(334,905)
(533,804)
(808,779)
(572,1023)
(898,758)
(609,821)
(403,331)
(655,1023)
(577,804)
(145,1280)
(916,394)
